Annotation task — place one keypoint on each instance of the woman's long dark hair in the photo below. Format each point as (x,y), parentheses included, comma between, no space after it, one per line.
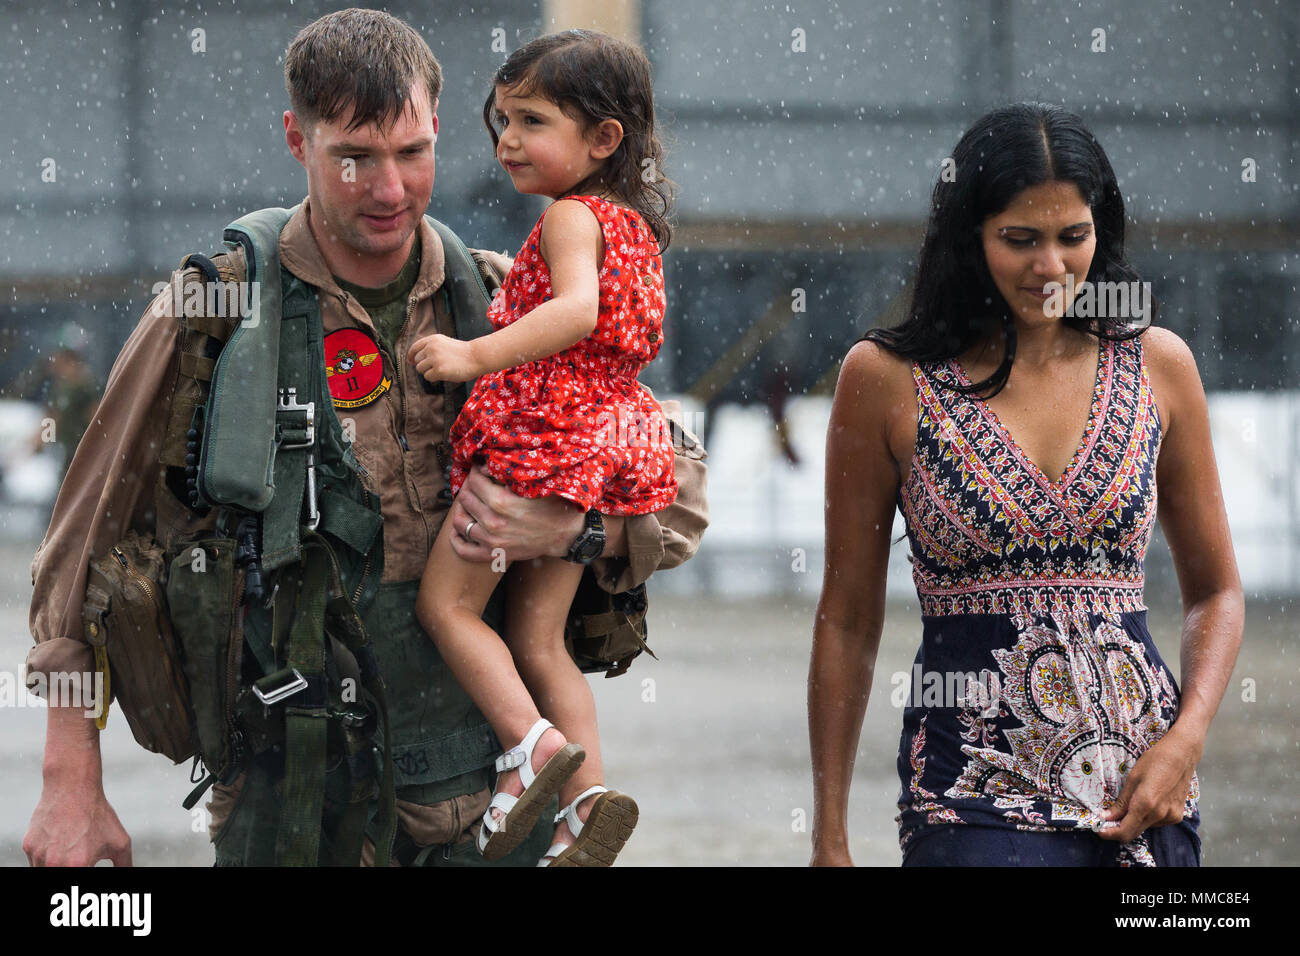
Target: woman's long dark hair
(955,303)
(595,77)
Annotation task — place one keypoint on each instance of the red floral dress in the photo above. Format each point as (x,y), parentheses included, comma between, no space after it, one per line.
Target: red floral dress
(578,424)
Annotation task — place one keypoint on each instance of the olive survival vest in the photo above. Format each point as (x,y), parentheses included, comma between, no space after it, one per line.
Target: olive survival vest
(254,432)
(258,652)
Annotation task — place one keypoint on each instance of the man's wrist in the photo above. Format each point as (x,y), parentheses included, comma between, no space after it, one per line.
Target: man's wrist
(577,522)
(589,544)
(72,755)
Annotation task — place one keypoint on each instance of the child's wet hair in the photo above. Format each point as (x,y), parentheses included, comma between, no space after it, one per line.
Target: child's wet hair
(593,77)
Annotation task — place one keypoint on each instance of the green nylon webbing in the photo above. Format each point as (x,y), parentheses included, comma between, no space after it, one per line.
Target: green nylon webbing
(285,541)
(300,341)
(353,633)
(353,524)
(298,842)
(280,544)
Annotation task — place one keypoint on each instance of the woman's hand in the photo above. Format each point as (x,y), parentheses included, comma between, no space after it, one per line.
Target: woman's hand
(1155,791)
(441,358)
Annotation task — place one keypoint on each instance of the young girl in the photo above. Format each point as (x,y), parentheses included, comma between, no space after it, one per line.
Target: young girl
(557,410)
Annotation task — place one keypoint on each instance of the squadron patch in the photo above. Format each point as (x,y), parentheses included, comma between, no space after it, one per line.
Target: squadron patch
(354,368)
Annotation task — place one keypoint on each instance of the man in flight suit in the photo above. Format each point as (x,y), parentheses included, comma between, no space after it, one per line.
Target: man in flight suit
(361,241)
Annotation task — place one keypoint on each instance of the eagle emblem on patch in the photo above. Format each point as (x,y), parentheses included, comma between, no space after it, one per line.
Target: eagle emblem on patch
(354,368)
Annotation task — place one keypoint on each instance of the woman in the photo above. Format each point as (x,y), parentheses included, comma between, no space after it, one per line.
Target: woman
(1040,727)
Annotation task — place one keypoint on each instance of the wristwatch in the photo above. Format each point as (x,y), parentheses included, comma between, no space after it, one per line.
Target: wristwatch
(590,543)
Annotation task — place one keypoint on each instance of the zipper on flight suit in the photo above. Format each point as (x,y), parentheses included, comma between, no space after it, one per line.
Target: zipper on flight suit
(365,566)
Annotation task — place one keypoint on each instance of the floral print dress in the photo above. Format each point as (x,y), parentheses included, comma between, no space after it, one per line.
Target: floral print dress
(1037,685)
(578,424)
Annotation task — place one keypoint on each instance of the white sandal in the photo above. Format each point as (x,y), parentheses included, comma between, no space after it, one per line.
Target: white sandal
(598,841)
(497,837)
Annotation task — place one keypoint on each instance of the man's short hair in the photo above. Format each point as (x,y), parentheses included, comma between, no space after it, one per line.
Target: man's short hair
(364,60)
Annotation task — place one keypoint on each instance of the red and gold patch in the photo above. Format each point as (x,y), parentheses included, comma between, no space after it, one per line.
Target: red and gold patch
(354,368)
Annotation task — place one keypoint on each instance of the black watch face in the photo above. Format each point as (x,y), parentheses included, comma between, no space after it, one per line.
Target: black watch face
(591,547)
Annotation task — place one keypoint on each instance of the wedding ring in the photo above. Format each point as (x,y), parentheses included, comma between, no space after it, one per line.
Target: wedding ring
(470,527)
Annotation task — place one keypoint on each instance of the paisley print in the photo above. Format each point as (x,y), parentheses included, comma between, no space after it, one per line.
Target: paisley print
(1039,583)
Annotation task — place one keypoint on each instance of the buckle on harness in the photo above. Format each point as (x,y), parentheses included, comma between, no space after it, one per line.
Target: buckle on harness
(290,682)
(288,402)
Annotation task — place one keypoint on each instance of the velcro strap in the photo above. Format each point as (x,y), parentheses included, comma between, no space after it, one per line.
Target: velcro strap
(598,625)
(197,366)
(352,523)
(213,325)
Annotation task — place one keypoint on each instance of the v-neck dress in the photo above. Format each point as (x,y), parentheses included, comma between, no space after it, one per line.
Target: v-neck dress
(1037,685)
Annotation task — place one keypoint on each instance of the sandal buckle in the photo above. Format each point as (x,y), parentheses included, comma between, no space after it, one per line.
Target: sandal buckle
(512,758)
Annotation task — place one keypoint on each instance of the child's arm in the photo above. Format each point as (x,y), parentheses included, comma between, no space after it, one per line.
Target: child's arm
(572,246)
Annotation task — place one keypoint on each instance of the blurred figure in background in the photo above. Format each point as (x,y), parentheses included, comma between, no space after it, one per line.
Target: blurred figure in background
(70,391)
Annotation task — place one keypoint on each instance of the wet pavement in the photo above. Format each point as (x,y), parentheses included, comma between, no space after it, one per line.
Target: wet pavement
(712,739)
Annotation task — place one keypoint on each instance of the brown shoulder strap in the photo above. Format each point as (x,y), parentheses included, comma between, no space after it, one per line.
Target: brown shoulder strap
(205,301)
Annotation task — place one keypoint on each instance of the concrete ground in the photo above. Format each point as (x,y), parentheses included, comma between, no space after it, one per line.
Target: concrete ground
(712,740)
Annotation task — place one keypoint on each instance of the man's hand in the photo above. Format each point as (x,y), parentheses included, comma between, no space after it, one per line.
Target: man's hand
(441,358)
(524,527)
(74,825)
(1155,790)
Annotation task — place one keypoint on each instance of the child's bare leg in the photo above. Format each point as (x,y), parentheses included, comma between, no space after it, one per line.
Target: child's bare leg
(541,593)
(453,594)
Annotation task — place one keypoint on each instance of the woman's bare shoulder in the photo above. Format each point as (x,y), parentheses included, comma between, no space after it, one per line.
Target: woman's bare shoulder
(876,368)
(883,394)
(1171,366)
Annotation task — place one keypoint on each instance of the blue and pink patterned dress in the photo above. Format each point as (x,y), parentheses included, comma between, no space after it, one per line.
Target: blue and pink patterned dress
(1037,685)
